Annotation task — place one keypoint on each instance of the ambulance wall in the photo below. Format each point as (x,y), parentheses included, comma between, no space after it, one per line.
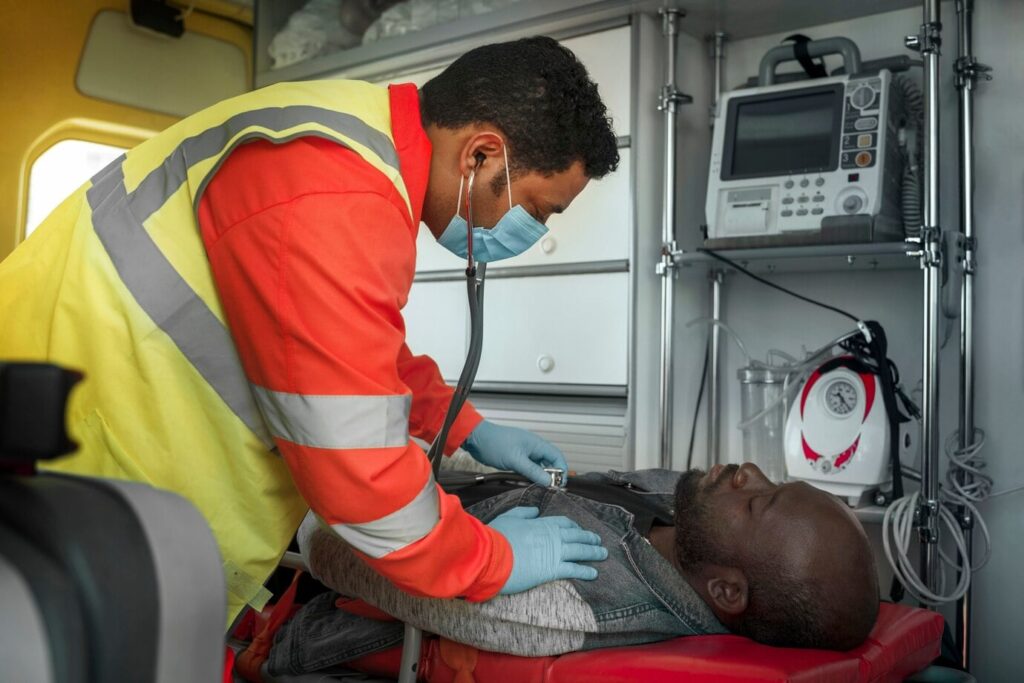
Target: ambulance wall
(41,43)
(766,319)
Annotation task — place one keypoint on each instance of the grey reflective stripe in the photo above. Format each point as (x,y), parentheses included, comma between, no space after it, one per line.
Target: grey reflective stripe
(402,527)
(336,421)
(163,181)
(168,300)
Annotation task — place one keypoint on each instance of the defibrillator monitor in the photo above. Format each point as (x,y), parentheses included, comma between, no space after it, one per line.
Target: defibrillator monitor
(807,162)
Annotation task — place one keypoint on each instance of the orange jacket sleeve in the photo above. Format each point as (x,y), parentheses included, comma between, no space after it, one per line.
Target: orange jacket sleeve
(430,399)
(313,252)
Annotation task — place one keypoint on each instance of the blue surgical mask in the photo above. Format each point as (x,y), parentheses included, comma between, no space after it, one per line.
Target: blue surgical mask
(515,232)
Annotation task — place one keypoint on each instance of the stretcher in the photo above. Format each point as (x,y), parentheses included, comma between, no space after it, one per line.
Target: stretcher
(904,641)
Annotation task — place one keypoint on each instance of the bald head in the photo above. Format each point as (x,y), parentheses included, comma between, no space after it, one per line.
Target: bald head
(784,565)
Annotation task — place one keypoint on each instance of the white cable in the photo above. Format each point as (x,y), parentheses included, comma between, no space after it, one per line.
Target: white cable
(735,337)
(1015,489)
(898,524)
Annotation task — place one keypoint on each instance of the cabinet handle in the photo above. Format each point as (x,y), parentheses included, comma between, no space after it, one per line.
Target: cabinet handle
(545,363)
(548,244)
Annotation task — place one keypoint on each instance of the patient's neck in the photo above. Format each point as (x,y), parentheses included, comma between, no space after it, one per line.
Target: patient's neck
(663,539)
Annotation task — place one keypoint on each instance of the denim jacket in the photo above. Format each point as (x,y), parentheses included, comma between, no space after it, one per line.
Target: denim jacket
(638,597)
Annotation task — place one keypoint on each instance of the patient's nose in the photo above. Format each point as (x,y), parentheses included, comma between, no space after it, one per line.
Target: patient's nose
(750,475)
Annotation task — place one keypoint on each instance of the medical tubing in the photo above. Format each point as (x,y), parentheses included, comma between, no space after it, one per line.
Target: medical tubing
(967,490)
(715,322)
(796,367)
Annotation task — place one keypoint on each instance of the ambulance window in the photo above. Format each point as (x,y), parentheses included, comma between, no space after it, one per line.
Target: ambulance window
(59,171)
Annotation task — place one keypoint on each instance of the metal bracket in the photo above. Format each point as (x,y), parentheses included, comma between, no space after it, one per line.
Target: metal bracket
(927,511)
(969,71)
(928,40)
(667,265)
(969,264)
(956,251)
(927,247)
(671,97)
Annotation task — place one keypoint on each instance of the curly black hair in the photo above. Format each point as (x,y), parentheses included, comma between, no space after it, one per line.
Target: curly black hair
(538,94)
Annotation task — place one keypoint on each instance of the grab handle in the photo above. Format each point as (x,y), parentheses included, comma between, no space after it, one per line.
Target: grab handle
(815,48)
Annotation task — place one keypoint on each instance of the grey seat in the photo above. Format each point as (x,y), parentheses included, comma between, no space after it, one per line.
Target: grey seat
(107,581)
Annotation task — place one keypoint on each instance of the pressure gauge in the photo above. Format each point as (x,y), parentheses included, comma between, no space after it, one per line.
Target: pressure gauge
(841,397)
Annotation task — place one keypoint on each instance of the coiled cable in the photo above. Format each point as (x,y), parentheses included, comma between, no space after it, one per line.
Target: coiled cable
(966,485)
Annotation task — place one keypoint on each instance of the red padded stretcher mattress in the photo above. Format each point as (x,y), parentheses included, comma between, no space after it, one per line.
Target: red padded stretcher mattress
(903,641)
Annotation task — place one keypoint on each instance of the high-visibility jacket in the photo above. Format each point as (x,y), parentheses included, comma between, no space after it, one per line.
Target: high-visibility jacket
(226,361)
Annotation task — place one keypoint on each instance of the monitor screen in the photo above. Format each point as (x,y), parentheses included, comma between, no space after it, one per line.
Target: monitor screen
(784,133)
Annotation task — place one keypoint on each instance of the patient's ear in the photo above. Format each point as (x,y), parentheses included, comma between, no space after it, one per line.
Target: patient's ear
(727,589)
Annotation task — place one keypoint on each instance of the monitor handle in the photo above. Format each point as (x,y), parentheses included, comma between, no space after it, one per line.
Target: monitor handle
(815,48)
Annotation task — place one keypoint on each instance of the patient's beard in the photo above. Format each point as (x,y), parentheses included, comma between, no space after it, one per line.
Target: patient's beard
(696,529)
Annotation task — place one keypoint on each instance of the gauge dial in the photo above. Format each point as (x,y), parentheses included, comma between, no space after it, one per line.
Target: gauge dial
(841,397)
(863,97)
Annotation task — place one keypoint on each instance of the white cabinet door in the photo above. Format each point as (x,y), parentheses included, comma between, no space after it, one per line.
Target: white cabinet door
(608,59)
(568,329)
(436,323)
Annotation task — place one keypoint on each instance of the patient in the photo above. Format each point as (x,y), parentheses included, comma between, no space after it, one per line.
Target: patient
(700,553)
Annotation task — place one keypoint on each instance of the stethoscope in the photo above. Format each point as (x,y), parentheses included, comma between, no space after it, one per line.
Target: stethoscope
(475,274)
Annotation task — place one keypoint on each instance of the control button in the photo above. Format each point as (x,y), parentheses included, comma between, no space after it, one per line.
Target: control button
(818,211)
(545,363)
(787,200)
(866,123)
(819,182)
(865,140)
(788,185)
(804,182)
(803,199)
(548,244)
(863,97)
(801,212)
(819,197)
(863,159)
(852,204)
(786,213)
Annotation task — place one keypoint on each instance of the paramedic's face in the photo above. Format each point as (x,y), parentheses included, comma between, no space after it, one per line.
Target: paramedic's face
(482,150)
(733,515)
(540,195)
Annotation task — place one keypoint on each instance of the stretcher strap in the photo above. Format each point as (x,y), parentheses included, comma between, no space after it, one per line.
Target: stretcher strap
(249,662)
(460,658)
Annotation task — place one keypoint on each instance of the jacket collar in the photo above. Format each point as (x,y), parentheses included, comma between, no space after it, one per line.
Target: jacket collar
(411,143)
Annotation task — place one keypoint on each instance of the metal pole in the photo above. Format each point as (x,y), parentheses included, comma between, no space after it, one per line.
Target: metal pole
(408,668)
(666,268)
(714,371)
(968,70)
(715,360)
(929,42)
(718,56)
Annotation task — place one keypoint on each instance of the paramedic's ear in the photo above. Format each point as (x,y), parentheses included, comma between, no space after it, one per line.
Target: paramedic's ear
(727,588)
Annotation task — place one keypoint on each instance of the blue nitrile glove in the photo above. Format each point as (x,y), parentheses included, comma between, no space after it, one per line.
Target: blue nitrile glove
(546,548)
(510,448)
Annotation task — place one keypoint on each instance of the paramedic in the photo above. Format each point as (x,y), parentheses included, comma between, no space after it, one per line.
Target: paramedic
(233,288)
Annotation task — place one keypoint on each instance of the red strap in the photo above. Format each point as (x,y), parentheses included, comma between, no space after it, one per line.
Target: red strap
(229,665)
(249,662)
